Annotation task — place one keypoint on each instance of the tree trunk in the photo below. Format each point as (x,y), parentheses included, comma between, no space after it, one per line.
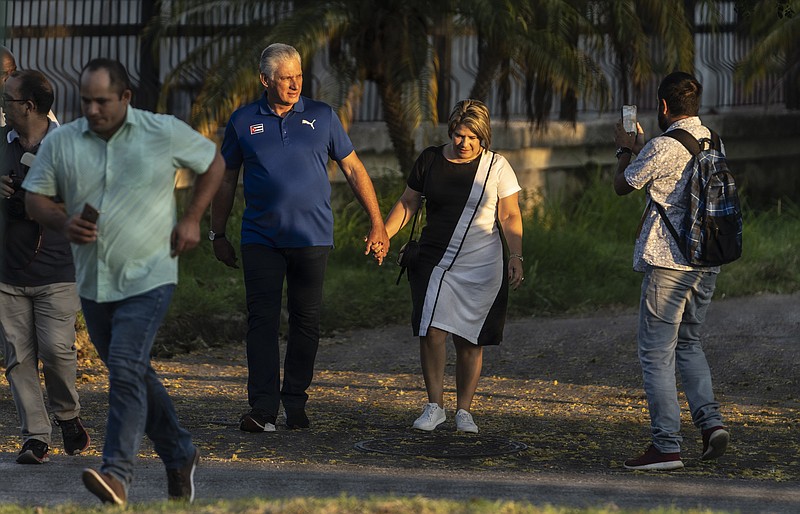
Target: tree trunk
(487,68)
(791,84)
(149,82)
(400,129)
(443,45)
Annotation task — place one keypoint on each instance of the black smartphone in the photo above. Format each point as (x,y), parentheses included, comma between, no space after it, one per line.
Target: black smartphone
(90,213)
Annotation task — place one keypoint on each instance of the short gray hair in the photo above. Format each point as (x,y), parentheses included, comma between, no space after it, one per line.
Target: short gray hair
(275,54)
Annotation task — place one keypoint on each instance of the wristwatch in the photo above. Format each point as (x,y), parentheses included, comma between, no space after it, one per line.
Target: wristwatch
(623,149)
(213,235)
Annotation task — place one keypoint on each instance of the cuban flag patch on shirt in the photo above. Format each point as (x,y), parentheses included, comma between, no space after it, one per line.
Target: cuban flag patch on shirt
(256,129)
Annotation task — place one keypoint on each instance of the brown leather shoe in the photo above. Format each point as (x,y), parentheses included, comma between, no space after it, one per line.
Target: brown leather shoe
(104,486)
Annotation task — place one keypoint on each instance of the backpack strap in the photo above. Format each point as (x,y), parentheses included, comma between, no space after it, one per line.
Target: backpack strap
(667,222)
(693,146)
(690,142)
(686,139)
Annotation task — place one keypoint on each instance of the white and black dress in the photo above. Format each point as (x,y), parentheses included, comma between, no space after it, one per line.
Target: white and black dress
(460,283)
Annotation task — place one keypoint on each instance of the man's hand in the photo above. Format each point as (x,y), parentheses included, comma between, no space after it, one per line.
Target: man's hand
(185,236)
(224,252)
(5,187)
(79,231)
(633,141)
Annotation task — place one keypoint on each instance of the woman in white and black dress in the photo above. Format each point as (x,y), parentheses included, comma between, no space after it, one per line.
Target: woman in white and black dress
(459,284)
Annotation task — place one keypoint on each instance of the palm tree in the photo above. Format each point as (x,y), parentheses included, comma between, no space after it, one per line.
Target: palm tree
(635,30)
(383,41)
(536,41)
(547,44)
(775,30)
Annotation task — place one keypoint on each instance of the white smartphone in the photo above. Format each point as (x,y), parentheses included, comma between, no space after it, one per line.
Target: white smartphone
(27,159)
(629,118)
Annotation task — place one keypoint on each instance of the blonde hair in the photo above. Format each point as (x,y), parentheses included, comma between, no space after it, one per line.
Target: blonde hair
(474,115)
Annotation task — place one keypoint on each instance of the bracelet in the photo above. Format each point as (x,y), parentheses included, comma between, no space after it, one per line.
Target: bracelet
(622,150)
(516,256)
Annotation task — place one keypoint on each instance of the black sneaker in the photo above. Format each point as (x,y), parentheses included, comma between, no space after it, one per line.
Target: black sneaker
(33,451)
(296,418)
(104,486)
(76,438)
(180,482)
(257,421)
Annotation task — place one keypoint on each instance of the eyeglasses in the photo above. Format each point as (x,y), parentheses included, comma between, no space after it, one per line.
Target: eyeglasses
(7,99)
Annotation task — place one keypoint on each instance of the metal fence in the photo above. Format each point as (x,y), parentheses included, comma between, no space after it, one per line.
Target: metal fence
(58,36)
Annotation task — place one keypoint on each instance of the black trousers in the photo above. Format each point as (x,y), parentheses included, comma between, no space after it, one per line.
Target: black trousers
(265,270)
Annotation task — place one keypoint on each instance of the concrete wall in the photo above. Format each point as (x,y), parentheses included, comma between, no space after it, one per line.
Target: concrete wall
(763,149)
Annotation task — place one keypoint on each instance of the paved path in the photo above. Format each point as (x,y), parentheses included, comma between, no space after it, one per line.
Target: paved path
(774,318)
(59,482)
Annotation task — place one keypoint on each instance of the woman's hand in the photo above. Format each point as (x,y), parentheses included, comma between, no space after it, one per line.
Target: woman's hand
(516,275)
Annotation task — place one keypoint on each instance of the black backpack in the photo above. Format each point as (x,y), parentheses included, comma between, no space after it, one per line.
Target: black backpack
(711,232)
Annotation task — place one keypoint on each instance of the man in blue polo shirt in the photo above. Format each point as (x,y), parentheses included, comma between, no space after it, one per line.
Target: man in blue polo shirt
(284,140)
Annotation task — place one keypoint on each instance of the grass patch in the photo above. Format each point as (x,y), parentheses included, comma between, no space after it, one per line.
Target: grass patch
(578,257)
(348,505)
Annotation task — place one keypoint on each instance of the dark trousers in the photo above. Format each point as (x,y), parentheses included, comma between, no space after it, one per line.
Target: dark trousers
(265,269)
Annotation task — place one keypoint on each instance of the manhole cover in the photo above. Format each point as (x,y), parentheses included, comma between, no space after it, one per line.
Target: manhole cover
(442,447)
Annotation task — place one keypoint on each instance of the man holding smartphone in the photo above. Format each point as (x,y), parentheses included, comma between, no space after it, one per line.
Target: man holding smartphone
(38,297)
(122,161)
(675,295)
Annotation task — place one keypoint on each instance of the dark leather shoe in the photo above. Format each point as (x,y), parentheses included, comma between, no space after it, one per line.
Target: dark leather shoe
(257,421)
(180,482)
(105,487)
(296,418)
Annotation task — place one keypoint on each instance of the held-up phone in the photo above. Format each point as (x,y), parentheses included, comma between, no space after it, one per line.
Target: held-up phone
(629,118)
(90,213)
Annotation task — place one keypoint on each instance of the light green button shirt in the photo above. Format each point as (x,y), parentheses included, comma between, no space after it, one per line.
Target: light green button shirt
(130,179)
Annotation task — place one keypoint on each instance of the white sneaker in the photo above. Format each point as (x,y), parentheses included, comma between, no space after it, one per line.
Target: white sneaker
(432,417)
(464,422)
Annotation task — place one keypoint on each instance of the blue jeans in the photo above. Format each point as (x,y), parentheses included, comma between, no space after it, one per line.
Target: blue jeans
(265,270)
(138,404)
(672,309)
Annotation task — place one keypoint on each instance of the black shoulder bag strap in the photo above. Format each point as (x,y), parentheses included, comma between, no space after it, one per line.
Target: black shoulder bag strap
(417,216)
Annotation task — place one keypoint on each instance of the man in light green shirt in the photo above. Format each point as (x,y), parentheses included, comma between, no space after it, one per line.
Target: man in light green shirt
(122,161)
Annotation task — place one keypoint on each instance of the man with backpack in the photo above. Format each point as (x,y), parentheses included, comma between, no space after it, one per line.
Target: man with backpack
(676,292)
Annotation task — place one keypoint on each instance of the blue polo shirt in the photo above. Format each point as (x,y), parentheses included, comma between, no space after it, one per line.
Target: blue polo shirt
(286,187)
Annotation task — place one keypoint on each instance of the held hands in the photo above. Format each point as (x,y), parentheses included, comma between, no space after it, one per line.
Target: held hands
(377,242)
(633,141)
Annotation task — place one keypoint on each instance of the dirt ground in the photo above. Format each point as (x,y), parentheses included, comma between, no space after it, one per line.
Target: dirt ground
(568,388)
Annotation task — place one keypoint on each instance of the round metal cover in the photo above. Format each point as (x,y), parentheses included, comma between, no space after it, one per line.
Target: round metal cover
(442,446)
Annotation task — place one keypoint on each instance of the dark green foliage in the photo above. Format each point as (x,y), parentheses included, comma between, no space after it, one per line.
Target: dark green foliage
(578,257)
